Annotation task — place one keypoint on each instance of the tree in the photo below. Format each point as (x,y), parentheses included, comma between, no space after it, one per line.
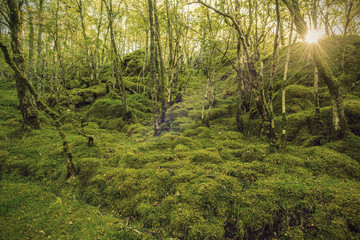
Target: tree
(255,79)
(117,61)
(27,105)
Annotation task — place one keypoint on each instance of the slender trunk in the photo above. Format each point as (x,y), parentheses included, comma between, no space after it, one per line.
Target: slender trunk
(117,63)
(326,18)
(318,124)
(283,91)
(31,43)
(272,134)
(349,6)
(240,88)
(28,108)
(39,65)
(97,47)
(161,91)
(153,79)
(171,55)
(86,45)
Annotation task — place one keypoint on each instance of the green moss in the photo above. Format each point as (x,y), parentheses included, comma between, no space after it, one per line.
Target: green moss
(88,167)
(252,153)
(205,156)
(284,159)
(106,108)
(322,160)
(352,112)
(201,132)
(181,148)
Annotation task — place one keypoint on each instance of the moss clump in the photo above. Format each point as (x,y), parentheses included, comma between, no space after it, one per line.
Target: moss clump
(200,132)
(180,148)
(88,167)
(298,98)
(205,156)
(106,108)
(252,153)
(285,160)
(83,96)
(298,127)
(113,124)
(352,112)
(322,160)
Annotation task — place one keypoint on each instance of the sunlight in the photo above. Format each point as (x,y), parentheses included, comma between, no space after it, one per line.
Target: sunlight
(313,36)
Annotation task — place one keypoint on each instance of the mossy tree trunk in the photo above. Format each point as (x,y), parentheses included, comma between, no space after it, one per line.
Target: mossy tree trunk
(239,87)
(81,11)
(274,60)
(28,108)
(117,62)
(161,67)
(283,91)
(318,128)
(340,128)
(39,65)
(39,103)
(153,72)
(31,43)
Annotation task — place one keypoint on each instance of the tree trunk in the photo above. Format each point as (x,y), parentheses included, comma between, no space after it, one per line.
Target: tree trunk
(161,87)
(31,43)
(239,88)
(272,134)
(39,65)
(117,63)
(153,77)
(39,103)
(283,91)
(28,108)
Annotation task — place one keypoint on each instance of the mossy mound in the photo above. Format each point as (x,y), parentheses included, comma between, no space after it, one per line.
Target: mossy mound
(138,106)
(352,112)
(322,161)
(83,96)
(205,156)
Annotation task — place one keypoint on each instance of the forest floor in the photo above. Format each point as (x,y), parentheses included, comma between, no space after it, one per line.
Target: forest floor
(193,182)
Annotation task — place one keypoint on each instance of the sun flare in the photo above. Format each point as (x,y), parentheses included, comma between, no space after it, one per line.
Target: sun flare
(313,36)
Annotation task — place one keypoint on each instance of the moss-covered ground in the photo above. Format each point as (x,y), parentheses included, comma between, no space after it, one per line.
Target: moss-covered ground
(196,181)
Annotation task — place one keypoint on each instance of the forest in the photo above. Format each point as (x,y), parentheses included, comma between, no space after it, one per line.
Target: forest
(179,119)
